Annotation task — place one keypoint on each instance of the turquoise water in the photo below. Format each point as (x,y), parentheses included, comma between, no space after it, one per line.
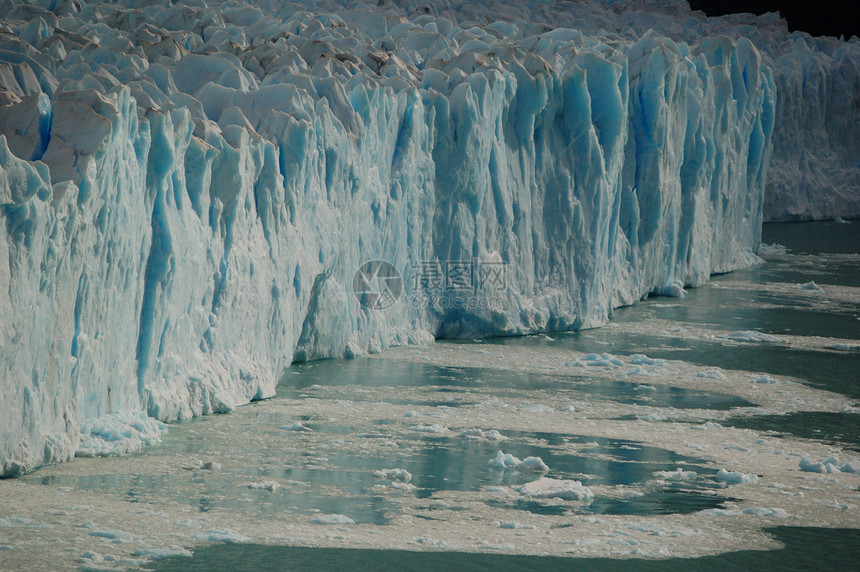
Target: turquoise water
(381,373)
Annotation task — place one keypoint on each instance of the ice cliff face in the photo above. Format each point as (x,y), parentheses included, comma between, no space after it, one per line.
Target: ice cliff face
(189,192)
(815,168)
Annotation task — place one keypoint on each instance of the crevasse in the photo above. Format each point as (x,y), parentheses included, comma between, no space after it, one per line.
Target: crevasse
(212,178)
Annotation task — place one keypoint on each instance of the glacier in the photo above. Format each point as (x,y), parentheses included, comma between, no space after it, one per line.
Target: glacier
(189,191)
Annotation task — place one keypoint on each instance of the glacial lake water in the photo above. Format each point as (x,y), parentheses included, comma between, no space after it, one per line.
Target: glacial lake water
(386,462)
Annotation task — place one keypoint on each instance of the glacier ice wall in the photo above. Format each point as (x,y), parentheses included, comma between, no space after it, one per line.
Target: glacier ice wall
(815,168)
(815,171)
(187,191)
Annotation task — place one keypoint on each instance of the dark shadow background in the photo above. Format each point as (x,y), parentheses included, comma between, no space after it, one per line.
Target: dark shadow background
(817,17)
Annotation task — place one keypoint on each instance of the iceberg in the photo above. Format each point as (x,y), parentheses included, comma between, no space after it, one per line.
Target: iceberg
(193,194)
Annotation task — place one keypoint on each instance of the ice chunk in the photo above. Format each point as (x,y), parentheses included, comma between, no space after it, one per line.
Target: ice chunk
(809,286)
(504,460)
(118,433)
(642,359)
(516,526)
(226,536)
(296,426)
(829,465)
(161,553)
(393,474)
(772,250)
(546,488)
(333,519)
(766,512)
(735,478)
(678,474)
(120,535)
(752,336)
(271,486)
(477,433)
(433,428)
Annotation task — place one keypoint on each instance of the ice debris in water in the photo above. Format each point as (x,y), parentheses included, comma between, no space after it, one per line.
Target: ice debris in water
(678,474)
(271,486)
(753,336)
(477,433)
(226,536)
(829,465)
(504,460)
(516,526)
(766,512)
(297,426)
(810,286)
(401,475)
(735,478)
(118,433)
(547,488)
(642,359)
(772,250)
(333,519)
(119,535)
(434,428)
(161,553)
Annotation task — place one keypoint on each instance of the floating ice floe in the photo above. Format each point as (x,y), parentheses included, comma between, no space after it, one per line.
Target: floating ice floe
(119,535)
(766,512)
(429,541)
(333,519)
(642,359)
(516,526)
(712,373)
(226,536)
(845,347)
(735,478)
(829,465)
(161,553)
(535,408)
(477,433)
(508,461)
(547,488)
(678,474)
(433,428)
(297,426)
(205,465)
(401,475)
(117,434)
(810,286)
(753,336)
(772,250)
(271,486)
